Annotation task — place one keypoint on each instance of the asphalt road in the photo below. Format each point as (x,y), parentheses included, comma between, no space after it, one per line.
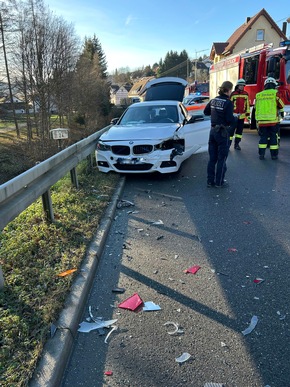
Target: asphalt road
(235,235)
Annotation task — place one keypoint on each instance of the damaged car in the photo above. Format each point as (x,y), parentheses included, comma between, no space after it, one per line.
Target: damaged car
(156,135)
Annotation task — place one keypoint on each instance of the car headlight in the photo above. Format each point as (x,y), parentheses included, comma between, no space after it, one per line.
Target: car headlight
(102,146)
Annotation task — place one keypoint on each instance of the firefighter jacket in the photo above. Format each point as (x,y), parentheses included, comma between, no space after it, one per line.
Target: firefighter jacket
(268,104)
(241,103)
(220,109)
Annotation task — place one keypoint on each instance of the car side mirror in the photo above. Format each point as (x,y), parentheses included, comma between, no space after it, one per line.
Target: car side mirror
(191,120)
(114,120)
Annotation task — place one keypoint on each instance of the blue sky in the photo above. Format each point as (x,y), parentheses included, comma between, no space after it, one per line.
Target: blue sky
(138,33)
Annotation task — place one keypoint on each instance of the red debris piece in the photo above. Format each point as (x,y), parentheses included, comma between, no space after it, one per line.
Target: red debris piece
(108,373)
(258,280)
(232,249)
(192,270)
(246,222)
(132,303)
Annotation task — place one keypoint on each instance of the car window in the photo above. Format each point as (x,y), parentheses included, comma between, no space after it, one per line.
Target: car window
(150,113)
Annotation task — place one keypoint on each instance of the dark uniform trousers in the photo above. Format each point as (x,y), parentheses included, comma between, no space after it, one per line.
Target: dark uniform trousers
(268,134)
(218,149)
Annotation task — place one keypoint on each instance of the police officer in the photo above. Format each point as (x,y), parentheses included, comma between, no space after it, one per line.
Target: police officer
(240,99)
(220,109)
(268,104)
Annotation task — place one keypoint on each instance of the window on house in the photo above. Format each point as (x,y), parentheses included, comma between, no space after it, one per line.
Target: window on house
(260,35)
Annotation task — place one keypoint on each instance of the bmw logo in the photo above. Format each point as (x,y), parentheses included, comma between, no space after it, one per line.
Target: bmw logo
(131,142)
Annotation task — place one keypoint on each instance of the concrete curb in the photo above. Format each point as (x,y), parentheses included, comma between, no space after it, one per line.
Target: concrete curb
(51,366)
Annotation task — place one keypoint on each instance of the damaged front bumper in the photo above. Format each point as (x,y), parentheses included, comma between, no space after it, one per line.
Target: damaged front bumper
(163,161)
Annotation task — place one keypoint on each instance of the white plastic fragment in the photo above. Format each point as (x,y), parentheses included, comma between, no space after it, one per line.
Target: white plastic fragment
(176,330)
(86,327)
(158,222)
(150,306)
(114,328)
(183,358)
(252,326)
(214,385)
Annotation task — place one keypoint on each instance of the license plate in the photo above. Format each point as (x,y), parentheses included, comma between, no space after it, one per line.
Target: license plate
(128,161)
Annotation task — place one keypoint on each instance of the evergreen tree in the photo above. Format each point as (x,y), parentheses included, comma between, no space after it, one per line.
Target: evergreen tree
(174,64)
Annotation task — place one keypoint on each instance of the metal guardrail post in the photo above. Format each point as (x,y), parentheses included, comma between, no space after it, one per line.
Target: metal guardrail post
(47,206)
(74,177)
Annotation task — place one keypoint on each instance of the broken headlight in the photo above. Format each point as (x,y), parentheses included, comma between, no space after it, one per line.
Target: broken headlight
(101,146)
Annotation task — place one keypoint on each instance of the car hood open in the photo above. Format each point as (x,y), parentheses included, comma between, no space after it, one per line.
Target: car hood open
(166,88)
(140,132)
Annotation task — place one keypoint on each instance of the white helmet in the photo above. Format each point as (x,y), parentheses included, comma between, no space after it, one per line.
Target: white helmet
(241,82)
(270,80)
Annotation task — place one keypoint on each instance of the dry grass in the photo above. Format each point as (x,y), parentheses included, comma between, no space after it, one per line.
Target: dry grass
(33,252)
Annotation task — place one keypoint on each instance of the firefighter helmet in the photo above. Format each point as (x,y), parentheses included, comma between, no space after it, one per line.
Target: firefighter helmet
(270,80)
(241,82)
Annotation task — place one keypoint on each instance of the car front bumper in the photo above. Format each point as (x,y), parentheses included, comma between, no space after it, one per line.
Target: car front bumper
(157,161)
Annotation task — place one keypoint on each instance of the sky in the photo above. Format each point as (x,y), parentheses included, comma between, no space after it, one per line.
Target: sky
(134,34)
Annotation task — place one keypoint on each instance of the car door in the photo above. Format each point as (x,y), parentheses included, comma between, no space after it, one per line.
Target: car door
(195,133)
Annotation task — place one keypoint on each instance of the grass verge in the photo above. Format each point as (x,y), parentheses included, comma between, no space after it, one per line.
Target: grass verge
(32,254)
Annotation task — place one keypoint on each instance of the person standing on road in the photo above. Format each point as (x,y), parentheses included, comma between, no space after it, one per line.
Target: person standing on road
(240,99)
(220,109)
(268,105)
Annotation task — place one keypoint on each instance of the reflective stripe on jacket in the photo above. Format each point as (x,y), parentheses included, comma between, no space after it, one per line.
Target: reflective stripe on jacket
(267,104)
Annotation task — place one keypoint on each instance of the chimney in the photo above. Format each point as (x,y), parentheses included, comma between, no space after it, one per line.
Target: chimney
(248,19)
(284,28)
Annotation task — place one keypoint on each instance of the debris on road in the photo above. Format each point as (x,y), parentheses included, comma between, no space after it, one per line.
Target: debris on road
(281,316)
(176,330)
(124,203)
(218,272)
(114,328)
(214,385)
(87,327)
(258,280)
(108,373)
(192,270)
(118,290)
(252,326)
(150,306)
(232,249)
(183,358)
(132,303)
(158,222)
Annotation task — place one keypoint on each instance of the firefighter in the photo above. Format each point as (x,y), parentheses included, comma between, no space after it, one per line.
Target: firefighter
(220,109)
(268,104)
(240,99)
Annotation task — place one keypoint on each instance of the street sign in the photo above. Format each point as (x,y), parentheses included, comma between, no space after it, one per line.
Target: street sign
(59,133)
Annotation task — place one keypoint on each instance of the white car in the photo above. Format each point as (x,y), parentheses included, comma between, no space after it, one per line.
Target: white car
(156,135)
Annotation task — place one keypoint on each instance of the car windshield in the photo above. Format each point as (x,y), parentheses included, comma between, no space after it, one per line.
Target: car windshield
(186,100)
(144,114)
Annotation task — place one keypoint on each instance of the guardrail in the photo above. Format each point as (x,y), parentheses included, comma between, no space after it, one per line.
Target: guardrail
(18,193)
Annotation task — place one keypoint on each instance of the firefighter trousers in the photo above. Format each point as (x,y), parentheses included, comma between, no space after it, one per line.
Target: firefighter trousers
(237,131)
(218,149)
(268,133)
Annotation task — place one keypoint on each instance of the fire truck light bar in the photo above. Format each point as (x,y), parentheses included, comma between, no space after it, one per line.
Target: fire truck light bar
(285,43)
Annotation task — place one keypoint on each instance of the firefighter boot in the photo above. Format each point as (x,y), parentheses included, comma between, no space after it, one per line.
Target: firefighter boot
(237,146)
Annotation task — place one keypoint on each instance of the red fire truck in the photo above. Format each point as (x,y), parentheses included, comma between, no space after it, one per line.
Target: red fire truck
(254,65)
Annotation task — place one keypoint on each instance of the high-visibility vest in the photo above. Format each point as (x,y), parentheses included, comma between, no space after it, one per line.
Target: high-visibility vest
(266,105)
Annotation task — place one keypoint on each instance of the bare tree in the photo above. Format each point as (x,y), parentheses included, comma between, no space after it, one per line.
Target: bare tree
(4,23)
